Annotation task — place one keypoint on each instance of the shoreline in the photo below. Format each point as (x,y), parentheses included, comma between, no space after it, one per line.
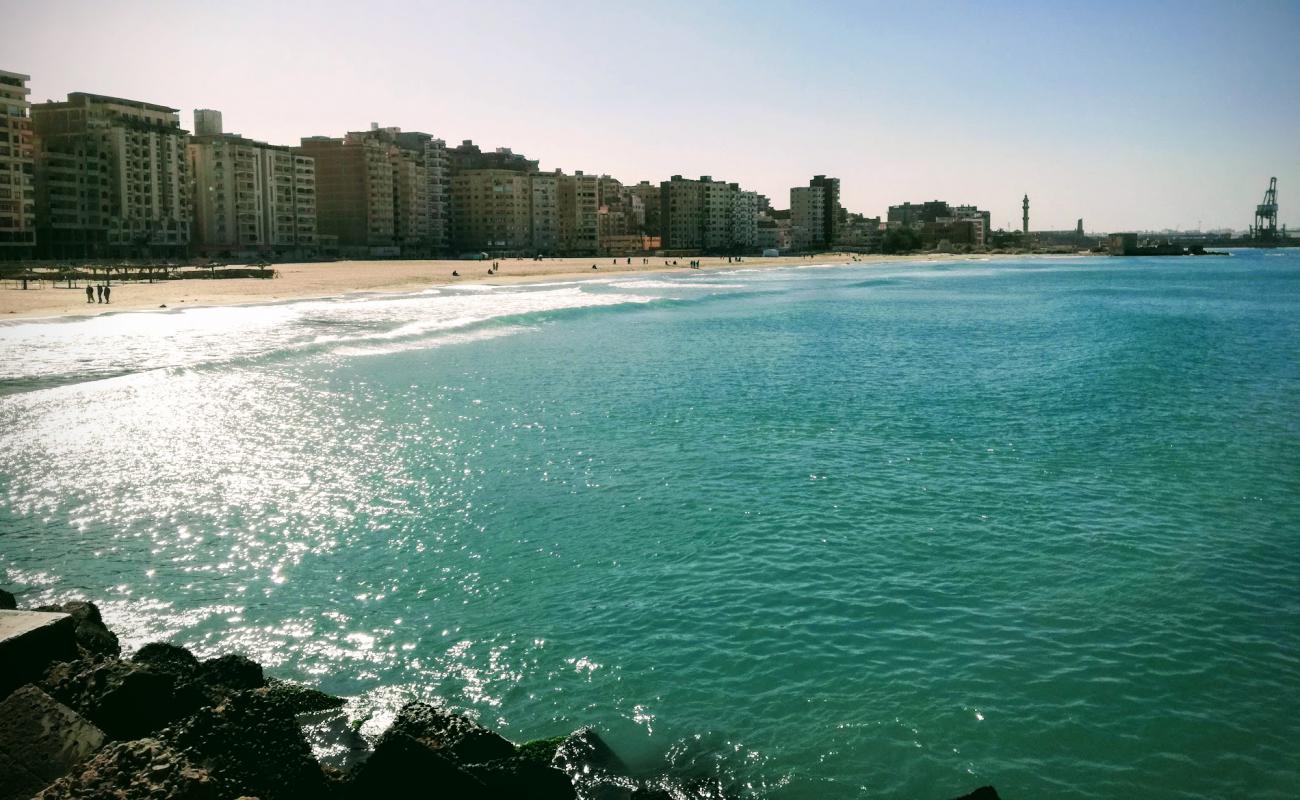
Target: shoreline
(328,280)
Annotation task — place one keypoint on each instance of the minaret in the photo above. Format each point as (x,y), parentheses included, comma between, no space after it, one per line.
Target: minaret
(1025,219)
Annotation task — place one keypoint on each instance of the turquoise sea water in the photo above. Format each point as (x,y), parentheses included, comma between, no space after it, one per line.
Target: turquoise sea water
(891,531)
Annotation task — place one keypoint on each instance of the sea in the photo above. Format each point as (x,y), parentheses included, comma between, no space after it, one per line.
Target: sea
(856,531)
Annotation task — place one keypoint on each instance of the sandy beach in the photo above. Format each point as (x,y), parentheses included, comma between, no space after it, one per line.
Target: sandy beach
(331,279)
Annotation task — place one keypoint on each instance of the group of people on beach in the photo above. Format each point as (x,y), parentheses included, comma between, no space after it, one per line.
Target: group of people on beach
(103,291)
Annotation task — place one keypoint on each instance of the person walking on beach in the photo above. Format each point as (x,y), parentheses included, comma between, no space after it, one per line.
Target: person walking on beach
(90,293)
(99,292)
(108,291)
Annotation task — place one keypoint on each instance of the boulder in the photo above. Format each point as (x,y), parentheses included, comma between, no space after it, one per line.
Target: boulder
(7,601)
(135,769)
(595,770)
(982,793)
(251,745)
(40,741)
(335,741)
(299,699)
(126,700)
(231,672)
(454,736)
(169,658)
(93,636)
(403,767)
(520,777)
(29,642)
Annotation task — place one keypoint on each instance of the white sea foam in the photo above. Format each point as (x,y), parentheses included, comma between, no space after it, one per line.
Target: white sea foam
(116,344)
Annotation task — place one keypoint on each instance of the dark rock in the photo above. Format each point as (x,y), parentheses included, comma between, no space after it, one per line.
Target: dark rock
(453,736)
(595,770)
(29,642)
(125,699)
(136,769)
(92,635)
(517,777)
(584,750)
(299,699)
(403,767)
(40,740)
(7,601)
(250,745)
(334,739)
(540,751)
(982,793)
(231,672)
(168,658)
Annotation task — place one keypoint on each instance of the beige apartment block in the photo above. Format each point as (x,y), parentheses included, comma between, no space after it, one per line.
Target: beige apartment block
(435,167)
(682,211)
(112,178)
(579,202)
(354,193)
(707,215)
(807,218)
(492,212)
(251,199)
(544,212)
(17,166)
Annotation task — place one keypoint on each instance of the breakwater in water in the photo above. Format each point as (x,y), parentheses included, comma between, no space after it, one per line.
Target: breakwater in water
(77,721)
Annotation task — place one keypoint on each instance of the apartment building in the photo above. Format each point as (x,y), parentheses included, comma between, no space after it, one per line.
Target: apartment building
(112,178)
(17,166)
(744,219)
(937,221)
(437,177)
(251,199)
(716,214)
(816,214)
(544,212)
(647,194)
(708,215)
(579,206)
(682,210)
(807,218)
(355,199)
(492,212)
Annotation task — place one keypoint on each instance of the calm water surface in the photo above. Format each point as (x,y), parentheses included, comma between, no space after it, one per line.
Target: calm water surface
(893,531)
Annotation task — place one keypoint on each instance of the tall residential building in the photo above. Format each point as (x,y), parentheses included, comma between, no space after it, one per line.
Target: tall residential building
(816,213)
(493,212)
(579,205)
(17,165)
(250,198)
(544,212)
(112,178)
(648,194)
(681,214)
(708,215)
(717,208)
(437,176)
(807,218)
(744,219)
(354,193)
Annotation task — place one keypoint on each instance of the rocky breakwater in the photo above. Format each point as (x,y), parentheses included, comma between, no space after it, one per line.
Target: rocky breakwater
(77,720)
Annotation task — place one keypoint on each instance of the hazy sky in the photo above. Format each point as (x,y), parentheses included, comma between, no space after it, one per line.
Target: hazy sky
(1128,114)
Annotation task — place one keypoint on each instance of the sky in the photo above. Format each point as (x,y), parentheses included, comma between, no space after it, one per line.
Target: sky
(1130,115)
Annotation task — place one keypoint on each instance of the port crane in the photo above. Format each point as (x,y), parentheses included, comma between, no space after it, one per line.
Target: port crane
(1265,226)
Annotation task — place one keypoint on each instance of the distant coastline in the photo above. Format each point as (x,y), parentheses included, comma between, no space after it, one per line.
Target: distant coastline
(320,280)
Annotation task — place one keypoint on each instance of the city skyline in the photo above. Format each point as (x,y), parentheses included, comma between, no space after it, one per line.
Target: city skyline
(1093,115)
